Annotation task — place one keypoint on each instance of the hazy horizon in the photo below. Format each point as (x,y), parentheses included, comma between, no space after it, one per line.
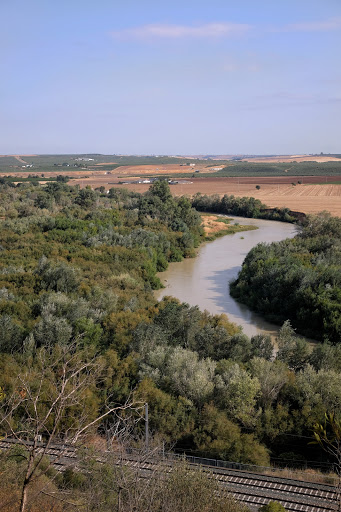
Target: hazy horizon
(179,155)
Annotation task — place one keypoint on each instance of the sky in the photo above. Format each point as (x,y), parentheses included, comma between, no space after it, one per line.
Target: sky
(170,77)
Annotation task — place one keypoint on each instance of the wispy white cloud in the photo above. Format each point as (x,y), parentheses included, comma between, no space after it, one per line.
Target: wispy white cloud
(219,30)
(311,26)
(166,31)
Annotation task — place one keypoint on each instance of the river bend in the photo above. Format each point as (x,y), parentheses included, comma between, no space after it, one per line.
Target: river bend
(204,280)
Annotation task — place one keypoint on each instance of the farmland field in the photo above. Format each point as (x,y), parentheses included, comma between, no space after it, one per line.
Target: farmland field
(223,166)
(292,158)
(303,198)
(313,194)
(277,178)
(236,169)
(308,197)
(169,169)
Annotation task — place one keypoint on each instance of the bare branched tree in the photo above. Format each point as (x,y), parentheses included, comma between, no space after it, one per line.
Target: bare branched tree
(53,401)
(146,481)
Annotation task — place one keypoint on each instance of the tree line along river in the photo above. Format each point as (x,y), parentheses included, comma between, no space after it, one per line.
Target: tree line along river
(204,280)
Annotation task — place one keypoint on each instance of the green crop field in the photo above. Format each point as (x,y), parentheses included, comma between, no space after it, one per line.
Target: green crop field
(71,162)
(231,168)
(240,169)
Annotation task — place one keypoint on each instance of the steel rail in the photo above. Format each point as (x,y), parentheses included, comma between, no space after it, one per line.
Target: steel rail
(253,489)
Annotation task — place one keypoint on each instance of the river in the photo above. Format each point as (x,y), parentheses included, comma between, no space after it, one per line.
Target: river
(204,280)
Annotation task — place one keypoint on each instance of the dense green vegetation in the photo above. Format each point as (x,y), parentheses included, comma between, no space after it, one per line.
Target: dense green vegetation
(31,178)
(78,268)
(298,278)
(242,206)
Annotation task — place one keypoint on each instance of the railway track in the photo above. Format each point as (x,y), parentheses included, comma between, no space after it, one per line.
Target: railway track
(252,489)
(255,490)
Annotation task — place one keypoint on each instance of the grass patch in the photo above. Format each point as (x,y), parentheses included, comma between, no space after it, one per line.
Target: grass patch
(329,183)
(216,226)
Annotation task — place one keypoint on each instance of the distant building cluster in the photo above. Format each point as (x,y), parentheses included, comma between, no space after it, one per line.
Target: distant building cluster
(152,180)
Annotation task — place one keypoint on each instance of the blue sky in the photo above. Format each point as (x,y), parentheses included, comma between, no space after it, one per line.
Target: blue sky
(179,77)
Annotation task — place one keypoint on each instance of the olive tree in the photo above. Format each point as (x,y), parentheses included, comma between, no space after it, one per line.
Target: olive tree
(237,392)
(190,376)
(271,376)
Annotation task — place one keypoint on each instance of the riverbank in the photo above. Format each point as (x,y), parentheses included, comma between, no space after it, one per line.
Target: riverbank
(297,280)
(216,226)
(204,280)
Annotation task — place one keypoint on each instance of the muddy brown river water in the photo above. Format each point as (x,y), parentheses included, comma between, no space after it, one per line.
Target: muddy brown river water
(204,280)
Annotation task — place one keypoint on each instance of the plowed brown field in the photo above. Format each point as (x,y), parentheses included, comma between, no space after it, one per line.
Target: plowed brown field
(309,197)
(140,170)
(306,198)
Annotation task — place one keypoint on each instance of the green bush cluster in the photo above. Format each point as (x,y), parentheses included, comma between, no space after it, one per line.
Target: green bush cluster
(243,206)
(298,279)
(80,267)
